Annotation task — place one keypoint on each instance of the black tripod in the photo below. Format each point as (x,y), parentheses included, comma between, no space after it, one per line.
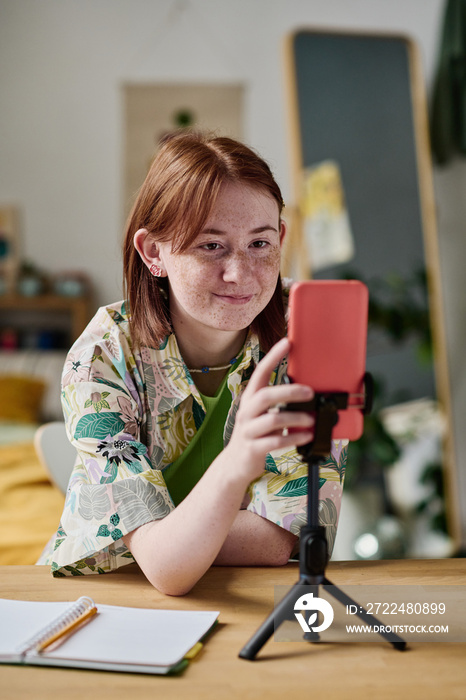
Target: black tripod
(313,553)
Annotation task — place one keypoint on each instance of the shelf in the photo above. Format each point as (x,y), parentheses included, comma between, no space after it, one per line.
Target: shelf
(77,310)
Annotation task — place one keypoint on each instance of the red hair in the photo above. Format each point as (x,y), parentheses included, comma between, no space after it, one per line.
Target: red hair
(174,203)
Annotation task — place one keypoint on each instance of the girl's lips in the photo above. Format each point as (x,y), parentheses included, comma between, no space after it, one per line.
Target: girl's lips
(238,300)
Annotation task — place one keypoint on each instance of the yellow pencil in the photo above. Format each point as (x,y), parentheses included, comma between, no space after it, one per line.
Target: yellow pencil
(68,628)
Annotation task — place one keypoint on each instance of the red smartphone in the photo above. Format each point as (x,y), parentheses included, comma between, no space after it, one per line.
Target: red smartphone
(327,330)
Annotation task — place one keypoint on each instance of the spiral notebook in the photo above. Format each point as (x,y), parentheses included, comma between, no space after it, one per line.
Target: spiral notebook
(101,637)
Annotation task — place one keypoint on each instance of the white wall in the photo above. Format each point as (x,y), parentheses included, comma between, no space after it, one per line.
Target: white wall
(62,64)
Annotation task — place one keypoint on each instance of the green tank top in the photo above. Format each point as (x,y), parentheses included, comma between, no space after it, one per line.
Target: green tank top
(183,474)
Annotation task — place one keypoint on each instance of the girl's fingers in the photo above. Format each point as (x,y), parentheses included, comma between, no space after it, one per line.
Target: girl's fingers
(281,442)
(261,375)
(270,423)
(272,396)
(257,424)
(259,397)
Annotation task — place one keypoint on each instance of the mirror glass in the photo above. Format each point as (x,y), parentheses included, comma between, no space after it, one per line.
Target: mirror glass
(364,209)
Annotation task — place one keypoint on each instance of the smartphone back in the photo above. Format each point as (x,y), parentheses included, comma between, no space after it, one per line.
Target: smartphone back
(328,333)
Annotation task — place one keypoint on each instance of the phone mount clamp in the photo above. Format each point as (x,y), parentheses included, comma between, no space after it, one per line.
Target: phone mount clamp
(313,551)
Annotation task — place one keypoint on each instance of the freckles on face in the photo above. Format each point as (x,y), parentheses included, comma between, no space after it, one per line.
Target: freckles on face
(229,274)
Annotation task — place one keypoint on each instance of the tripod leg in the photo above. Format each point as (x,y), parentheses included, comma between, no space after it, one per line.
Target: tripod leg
(283,611)
(397,642)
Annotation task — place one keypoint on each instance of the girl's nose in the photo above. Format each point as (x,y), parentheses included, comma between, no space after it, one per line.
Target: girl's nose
(237,268)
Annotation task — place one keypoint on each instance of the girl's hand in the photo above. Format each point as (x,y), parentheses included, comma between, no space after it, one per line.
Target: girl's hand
(259,428)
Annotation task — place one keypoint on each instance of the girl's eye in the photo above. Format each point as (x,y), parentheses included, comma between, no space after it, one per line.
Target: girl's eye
(211,246)
(260,244)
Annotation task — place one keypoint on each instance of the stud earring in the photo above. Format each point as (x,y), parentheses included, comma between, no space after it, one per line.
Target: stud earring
(155,271)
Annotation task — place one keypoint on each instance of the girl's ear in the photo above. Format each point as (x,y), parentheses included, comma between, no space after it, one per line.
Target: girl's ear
(148,250)
(283,231)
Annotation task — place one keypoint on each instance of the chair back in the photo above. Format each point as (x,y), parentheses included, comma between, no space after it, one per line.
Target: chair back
(55,452)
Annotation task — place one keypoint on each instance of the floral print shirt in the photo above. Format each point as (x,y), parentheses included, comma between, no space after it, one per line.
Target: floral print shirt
(130,413)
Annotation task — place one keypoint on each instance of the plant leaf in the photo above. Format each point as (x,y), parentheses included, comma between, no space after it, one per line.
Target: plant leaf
(98,426)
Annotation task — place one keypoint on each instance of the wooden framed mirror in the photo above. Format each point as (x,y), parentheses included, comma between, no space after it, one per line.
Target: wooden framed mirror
(359,129)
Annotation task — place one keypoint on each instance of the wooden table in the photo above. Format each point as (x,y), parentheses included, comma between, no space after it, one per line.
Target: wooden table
(245,596)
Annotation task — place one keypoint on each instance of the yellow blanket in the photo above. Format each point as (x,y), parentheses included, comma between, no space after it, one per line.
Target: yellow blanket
(30,505)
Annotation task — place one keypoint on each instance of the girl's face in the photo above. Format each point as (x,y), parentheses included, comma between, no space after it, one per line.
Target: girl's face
(229,273)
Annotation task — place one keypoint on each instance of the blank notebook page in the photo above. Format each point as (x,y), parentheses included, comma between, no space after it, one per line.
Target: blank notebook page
(134,635)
